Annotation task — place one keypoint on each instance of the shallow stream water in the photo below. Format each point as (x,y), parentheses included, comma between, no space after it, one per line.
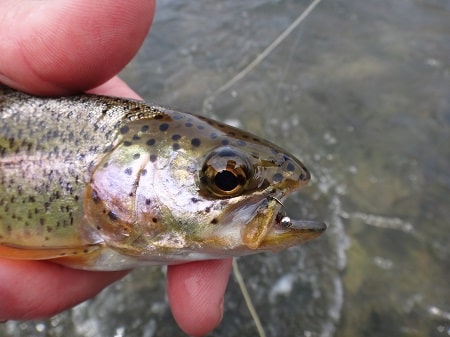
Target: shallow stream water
(360,91)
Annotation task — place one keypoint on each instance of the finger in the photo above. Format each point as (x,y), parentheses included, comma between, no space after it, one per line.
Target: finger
(38,289)
(115,87)
(196,291)
(49,47)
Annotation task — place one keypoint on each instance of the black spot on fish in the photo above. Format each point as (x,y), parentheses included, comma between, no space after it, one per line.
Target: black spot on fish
(128,171)
(188,125)
(144,128)
(195,142)
(226,153)
(136,137)
(136,156)
(302,176)
(155,220)
(290,167)
(153,158)
(176,146)
(112,216)
(214,221)
(143,172)
(163,127)
(160,116)
(127,143)
(148,202)
(213,135)
(124,129)
(225,142)
(176,137)
(277,177)
(150,142)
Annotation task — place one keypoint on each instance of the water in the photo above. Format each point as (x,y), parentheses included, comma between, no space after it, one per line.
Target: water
(360,92)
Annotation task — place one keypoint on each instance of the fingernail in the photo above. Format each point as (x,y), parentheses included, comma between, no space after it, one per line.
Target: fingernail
(221,309)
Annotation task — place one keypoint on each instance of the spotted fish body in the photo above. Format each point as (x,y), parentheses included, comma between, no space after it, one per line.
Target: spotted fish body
(106,183)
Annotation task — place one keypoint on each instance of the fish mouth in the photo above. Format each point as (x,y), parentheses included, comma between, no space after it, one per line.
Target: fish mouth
(271,229)
(286,232)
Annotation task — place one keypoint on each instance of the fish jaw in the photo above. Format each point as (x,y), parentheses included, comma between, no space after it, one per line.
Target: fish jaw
(290,233)
(267,230)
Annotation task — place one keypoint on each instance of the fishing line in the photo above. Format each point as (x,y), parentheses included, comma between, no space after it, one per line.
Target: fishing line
(207,103)
(284,73)
(248,300)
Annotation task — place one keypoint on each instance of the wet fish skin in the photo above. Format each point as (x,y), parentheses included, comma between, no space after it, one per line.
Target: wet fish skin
(106,183)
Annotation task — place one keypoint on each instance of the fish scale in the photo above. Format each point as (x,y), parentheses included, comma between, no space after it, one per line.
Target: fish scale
(106,183)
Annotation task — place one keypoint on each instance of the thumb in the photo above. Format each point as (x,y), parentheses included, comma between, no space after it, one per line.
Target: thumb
(49,47)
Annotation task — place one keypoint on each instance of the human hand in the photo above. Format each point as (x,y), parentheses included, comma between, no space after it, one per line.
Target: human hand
(57,48)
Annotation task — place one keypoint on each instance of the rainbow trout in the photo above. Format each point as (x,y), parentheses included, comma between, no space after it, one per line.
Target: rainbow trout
(106,183)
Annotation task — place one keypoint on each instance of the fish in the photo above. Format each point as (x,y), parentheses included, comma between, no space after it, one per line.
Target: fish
(107,183)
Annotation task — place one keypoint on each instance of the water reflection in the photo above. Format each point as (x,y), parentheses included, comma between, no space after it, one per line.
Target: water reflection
(359,92)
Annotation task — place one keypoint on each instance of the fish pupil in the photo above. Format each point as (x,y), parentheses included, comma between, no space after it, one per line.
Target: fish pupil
(226,180)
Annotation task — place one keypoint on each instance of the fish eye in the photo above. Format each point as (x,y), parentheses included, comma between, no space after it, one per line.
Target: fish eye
(225,173)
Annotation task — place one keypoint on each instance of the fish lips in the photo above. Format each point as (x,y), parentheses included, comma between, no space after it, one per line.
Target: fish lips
(270,230)
(284,234)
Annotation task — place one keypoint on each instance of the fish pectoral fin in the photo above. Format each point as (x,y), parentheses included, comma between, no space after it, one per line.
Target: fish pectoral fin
(44,253)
